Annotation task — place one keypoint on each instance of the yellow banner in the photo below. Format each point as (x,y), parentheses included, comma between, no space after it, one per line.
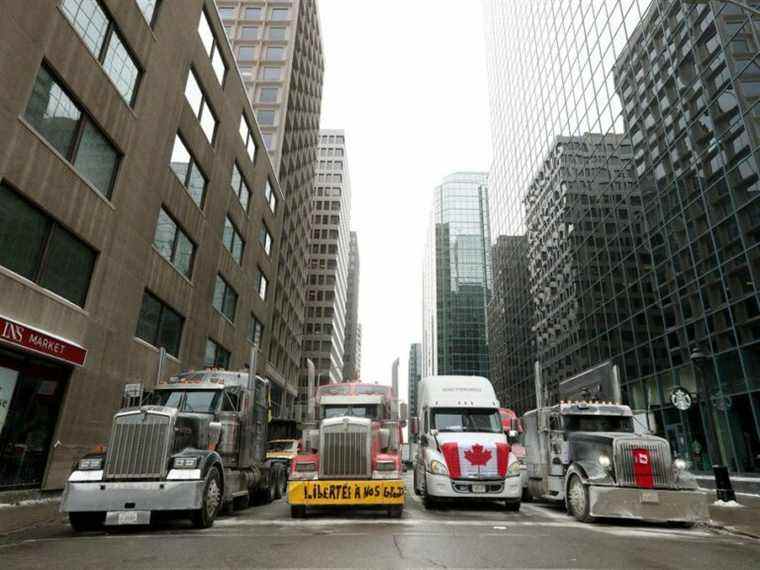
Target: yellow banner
(377,492)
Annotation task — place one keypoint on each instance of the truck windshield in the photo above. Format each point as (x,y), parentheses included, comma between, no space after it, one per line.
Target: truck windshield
(599,423)
(358,411)
(201,401)
(282,446)
(466,419)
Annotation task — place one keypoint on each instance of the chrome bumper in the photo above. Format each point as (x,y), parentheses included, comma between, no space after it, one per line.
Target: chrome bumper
(658,505)
(138,496)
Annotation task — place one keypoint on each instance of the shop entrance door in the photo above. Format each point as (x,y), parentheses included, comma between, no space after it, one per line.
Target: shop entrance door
(31,392)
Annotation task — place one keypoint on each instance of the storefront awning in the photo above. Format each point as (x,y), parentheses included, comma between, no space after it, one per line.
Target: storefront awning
(30,339)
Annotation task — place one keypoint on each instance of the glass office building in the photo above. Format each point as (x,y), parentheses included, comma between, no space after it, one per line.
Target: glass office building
(678,85)
(457,278)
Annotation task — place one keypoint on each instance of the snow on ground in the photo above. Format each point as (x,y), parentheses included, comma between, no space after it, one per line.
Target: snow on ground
(29,502)
(730,504)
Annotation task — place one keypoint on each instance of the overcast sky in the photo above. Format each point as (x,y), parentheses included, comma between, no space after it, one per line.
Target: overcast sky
(407,81)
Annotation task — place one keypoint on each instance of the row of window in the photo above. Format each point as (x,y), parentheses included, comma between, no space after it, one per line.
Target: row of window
(329,178)
(254,13)
(253,33)
(331,152)
(332,139)
(268,53)
(161,326)
(266,73)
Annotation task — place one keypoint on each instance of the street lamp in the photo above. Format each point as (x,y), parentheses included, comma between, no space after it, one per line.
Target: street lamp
(742,5)
(723,488)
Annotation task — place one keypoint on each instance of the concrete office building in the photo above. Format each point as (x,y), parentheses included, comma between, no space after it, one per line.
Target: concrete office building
(138,210)
(278,48)
(679,84)
(457,278)
(352,352)
(326,296)
(414,376)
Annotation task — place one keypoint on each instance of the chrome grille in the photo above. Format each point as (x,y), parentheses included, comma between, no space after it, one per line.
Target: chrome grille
(659,454)
(139,446)
(345,451)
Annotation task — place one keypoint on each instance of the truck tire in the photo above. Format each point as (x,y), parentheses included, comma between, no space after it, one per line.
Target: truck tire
(395,511)
(241,503)
(82,522)
(578,500)
(297,512)
(280,483)
(416,488)
(526,496)
(265,495)
(427,501)
(512,506)
(212,500)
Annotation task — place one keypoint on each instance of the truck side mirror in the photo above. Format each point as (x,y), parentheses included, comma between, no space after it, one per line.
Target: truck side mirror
(404,413)
(414,425)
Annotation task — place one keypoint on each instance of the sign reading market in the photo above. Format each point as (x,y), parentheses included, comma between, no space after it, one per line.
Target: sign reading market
(28,338)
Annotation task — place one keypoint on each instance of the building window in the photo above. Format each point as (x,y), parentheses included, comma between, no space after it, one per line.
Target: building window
(99,34)
(253,13)
(225,298)
(239,187)
(265,239)
(232,241)
(269,94)
(199,103)
(173,244)
(149,9)
(275,53)
(268,140)
(226,12)
(277,34)
(280,14)
(216,355)
(270,196)
(271,73)
(159,324)
(248,141)
(36,247)
(61,122)
(265,117)
(187,171)
(255,331)
(249,33)
(211,45)
(261,284)
(247,53)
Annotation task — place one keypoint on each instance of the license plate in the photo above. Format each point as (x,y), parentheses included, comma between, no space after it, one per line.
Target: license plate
(127,517)
(650,497)
(478,488)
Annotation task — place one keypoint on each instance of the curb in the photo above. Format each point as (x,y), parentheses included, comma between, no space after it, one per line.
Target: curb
(730,529)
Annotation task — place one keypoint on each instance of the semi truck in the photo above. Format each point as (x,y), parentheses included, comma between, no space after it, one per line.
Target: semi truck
(194,446)
(352,449)
(463,453)
(587,452)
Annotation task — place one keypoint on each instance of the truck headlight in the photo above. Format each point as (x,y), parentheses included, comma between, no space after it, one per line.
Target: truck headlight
(386,466)
(185,462)
(514,469)
(90,464)
(604,461)
(438,468)
(680,464)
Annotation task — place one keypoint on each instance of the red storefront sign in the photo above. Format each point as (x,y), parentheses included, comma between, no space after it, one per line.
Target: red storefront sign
(28,338)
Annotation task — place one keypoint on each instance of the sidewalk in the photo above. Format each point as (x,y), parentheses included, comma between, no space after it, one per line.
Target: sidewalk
(743,518)
(21,511)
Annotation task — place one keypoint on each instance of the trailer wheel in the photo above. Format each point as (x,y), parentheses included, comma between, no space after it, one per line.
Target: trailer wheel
(297,511)
(416,489)
(280,482)
(578,500)
(82,522)
(212,500)
(395,511)
(512,506)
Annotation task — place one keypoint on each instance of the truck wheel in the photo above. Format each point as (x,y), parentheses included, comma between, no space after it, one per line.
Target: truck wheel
(416,489)
(526,496)
(427,501)
(512,506)
(242,502)
(212,500)
(280,483)
(297,511)
(82,522)
(577,500)
(395,511)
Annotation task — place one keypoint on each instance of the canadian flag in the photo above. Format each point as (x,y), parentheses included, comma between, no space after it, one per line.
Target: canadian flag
(483,460)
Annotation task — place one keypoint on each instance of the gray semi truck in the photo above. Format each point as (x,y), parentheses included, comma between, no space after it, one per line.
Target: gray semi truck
(194,446)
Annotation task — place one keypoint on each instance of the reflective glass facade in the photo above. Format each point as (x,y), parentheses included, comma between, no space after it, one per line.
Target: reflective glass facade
(457,278)
(656,247)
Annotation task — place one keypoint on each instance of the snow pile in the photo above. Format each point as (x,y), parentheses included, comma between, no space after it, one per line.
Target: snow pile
(29,503)
(730,504)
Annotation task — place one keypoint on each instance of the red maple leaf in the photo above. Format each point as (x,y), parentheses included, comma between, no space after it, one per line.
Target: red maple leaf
(477,455)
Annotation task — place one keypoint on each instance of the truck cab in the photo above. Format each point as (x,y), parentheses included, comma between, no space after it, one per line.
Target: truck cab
(195,444)
(352,451)
(463,453)
(589,455)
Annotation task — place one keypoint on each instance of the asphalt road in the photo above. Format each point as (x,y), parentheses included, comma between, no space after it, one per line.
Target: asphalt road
(458,536)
